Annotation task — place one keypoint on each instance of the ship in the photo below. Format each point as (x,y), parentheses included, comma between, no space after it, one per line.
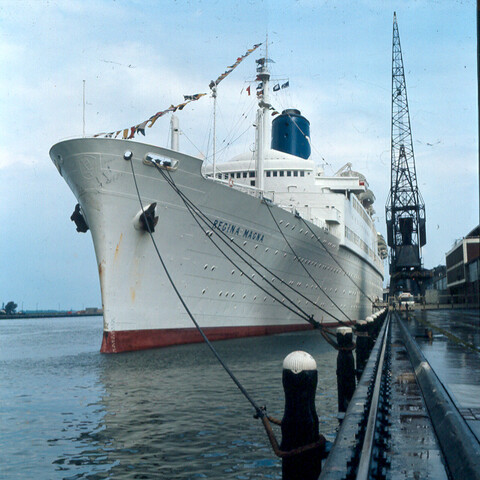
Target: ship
(261,244)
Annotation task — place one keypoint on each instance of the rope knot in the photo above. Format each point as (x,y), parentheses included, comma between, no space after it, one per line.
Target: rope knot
(260,412)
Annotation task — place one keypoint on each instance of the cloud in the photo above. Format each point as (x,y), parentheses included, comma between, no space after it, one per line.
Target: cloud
(142,60)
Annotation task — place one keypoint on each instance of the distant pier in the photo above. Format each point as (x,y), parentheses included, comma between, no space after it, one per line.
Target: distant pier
(89,312)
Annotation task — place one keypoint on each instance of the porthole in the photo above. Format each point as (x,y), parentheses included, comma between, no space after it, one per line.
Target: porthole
(205,267)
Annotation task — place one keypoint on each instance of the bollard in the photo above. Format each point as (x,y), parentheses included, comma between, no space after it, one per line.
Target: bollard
(345,368)
(300,420)
(362,351)
(371,333)
(371,330)
(378,321)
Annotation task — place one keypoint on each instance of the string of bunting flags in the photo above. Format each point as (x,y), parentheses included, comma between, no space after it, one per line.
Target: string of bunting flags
(129,133)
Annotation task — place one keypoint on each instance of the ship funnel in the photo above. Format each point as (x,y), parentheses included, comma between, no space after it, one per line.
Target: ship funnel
(291,133)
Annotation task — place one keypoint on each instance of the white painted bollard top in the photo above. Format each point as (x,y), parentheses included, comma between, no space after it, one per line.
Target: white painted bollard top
(299,361)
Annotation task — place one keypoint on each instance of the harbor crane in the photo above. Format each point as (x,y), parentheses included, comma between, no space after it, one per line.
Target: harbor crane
(405,209)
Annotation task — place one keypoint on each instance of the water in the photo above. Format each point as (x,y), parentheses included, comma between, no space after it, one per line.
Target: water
(68,412)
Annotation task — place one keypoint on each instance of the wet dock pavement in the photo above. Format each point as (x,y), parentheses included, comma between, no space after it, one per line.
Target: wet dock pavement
(414,450)
(453,352)
(427,425)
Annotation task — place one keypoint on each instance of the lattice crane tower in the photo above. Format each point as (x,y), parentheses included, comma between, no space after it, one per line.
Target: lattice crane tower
(405,209)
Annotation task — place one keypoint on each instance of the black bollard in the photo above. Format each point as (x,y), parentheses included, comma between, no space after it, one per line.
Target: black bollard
(300,420)
(362,351)
(345,368)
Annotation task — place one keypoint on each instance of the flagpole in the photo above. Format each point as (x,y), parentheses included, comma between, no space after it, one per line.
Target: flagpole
(214,95)
(83,108)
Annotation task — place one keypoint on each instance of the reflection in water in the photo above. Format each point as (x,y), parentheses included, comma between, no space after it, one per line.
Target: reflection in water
(173,413)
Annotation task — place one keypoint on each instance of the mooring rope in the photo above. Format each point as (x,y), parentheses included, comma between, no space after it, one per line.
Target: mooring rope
(336,261)
(207,221)
(305,268)
(260,411)
(194,210)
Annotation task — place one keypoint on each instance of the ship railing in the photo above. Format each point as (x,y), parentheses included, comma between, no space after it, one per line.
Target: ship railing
(250,189)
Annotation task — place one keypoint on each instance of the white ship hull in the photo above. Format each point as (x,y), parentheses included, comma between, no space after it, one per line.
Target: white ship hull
(140,307)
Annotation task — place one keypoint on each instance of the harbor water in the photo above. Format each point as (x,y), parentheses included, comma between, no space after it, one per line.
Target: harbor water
(69,412)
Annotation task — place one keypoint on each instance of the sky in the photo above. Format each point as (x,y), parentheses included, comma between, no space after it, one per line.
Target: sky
(139,57)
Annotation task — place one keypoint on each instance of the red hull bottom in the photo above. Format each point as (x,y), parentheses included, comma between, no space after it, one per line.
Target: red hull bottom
(131,340)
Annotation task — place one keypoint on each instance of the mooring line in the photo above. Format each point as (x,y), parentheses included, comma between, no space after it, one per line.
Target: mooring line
(305,268)
(219,233)
(260,412)
(336,261)
(196,212)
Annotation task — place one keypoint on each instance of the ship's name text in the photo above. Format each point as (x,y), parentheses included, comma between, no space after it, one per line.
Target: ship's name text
(231,229)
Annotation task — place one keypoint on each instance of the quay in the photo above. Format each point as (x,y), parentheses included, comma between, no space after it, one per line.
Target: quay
(427,419)
(89,312)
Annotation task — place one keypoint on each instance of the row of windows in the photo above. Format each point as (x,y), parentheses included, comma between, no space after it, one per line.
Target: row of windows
(285,173)
(268,173)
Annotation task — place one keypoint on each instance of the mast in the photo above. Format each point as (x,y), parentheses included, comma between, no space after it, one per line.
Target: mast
(263,76)
(84,109)
(175,131)
(214,160)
